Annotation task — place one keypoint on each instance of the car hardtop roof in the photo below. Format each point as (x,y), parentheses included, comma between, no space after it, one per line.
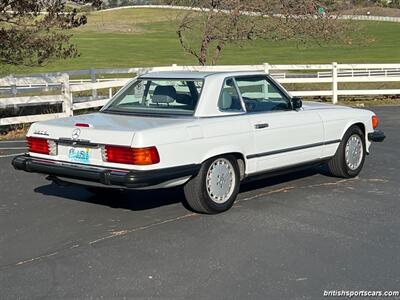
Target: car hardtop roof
(196,75)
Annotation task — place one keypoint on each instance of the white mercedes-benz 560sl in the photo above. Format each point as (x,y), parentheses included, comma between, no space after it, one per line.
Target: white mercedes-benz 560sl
(206,131)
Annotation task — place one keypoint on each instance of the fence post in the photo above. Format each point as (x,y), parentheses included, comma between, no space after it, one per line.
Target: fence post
(334,82)
(93,78)
(266,68)
(14,90)
(265,89)
(68,102)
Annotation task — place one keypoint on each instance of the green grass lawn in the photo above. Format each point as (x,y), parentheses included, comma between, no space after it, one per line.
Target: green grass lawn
(146,37)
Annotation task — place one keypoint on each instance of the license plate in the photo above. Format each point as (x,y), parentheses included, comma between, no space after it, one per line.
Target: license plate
(81,155)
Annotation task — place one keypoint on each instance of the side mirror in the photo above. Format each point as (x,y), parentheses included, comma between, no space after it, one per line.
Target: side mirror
(297,103)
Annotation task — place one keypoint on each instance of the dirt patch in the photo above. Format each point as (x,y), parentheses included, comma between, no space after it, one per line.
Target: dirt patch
(112,27)
(15,134)
(389,101)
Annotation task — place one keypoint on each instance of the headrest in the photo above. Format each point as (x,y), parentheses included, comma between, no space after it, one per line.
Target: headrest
(164,94)
(226,101)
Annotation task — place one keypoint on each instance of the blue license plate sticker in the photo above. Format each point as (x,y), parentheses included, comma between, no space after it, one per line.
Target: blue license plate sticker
(81,155)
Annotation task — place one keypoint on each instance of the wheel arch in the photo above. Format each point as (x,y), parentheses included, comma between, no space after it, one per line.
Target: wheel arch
(239,156)
(362,127)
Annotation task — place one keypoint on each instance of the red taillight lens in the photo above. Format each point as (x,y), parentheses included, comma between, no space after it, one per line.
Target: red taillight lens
(132,156)
(38,145)
(375,122)
(82,125)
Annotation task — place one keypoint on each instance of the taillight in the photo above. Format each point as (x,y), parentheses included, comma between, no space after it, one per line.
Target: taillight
(82,125)
(132,156)
(375,121)
(42,146)
(38,145)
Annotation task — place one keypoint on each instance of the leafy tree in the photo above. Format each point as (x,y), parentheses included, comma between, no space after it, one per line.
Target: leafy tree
(395,3)
(34,31)
(113,3)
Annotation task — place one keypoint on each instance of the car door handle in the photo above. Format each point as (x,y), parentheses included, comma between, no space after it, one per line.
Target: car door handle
(261,125)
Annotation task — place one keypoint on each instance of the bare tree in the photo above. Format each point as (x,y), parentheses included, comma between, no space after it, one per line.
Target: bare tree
(33,31)
(210,25)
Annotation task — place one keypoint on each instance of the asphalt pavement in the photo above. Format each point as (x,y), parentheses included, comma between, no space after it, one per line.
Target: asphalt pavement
(289,237)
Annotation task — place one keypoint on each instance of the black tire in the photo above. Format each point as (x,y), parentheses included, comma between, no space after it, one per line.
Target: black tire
(198,197)
(337,165)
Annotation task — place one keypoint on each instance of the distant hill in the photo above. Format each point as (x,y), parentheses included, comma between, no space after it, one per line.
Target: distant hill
(147,37)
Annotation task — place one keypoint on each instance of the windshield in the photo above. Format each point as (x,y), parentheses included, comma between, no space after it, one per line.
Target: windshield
(158,96)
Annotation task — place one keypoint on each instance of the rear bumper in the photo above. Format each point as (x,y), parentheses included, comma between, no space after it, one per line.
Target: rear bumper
(376,136)
(105,176)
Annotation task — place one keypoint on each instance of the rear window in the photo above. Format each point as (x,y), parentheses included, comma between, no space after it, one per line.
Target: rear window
(158,96)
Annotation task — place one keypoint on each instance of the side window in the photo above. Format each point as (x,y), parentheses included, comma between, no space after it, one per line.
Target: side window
(260,95)
(229,99)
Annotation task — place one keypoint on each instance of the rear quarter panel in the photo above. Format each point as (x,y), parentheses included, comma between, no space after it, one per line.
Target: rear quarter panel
(198,141)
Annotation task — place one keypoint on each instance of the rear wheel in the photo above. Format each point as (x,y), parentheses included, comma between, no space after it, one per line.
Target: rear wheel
(350,156)
(215,187)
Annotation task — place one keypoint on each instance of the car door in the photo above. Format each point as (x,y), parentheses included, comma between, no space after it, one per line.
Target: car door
(283,136)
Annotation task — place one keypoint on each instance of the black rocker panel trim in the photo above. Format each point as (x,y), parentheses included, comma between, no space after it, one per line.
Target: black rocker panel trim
(256,155)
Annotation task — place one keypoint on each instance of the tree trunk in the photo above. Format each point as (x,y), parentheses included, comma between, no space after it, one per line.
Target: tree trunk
(203,50)
(217,52)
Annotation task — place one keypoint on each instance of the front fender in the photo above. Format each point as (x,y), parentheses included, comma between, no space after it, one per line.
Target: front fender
(367,127)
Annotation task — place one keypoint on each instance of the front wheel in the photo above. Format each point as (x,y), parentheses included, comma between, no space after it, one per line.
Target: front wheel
(350,156)
(215,187)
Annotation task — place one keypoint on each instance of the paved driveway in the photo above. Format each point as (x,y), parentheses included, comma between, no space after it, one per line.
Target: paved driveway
(290,237)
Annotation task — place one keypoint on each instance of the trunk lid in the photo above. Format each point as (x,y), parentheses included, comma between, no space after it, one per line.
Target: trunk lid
(104,128)
(84,144)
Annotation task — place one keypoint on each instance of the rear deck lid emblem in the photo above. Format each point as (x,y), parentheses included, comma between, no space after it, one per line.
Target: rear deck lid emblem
(76,133)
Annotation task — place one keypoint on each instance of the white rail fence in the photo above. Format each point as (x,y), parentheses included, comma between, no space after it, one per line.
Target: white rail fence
(331,74)
(249,13)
